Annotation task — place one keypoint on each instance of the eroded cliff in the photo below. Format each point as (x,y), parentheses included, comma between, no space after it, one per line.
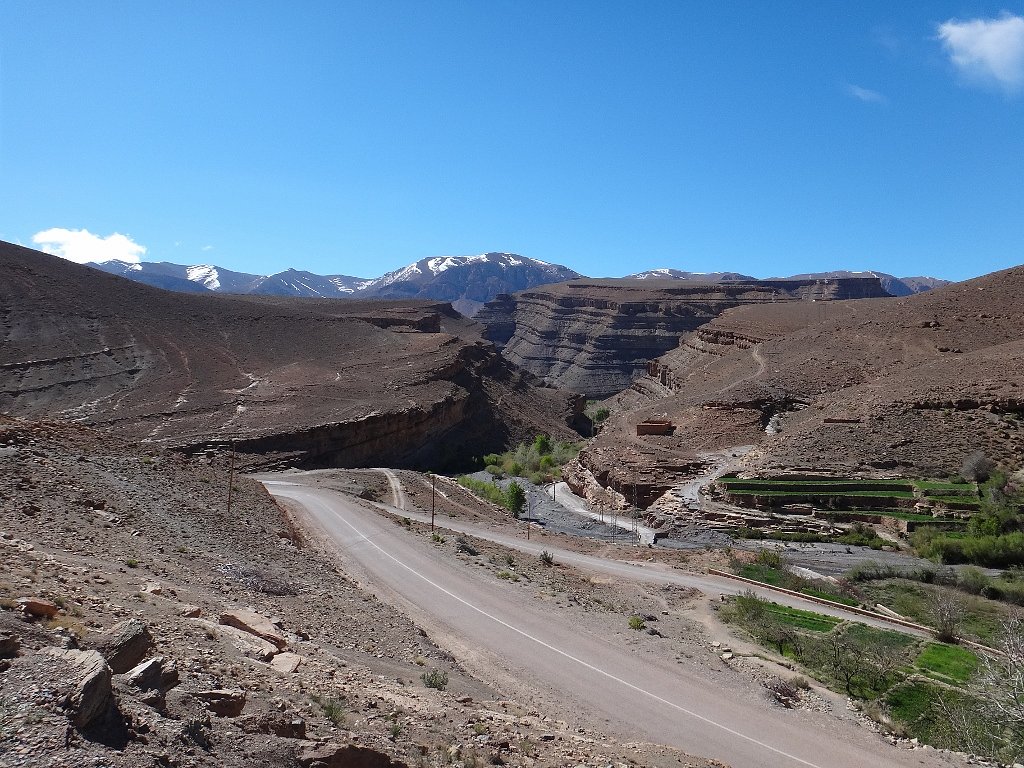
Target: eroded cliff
(596,336)
(901,386)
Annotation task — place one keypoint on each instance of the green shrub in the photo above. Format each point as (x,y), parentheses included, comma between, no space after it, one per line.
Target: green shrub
(515,499)
(436,679)
(546,558)
(972,580)
(637,623)
(769,558)
(334,709)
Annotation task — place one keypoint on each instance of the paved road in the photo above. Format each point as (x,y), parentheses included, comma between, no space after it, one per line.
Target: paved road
(645,699)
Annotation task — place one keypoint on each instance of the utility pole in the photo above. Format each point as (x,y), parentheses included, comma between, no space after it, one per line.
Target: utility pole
(231,475)
(431,502)
(636,511)
(529,513)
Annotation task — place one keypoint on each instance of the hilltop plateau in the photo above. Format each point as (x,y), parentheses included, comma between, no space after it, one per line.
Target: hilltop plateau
(311,381)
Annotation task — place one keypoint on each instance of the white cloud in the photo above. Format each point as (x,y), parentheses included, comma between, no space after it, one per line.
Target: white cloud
(207,248)
(987,50)
(865,94)
(82,246)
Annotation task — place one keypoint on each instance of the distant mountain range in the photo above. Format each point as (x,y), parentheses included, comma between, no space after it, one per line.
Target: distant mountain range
(465,281)
(468,282)
(895,286)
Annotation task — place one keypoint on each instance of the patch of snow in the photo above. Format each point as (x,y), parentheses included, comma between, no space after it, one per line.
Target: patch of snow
(204,274)
(398,276)
(440,264)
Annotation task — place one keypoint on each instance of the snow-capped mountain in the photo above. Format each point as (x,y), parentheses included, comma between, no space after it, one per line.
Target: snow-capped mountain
(697,277)
(466,281)
(894,286)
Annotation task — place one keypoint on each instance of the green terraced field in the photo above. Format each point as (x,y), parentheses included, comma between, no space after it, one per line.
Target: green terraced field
(947,662)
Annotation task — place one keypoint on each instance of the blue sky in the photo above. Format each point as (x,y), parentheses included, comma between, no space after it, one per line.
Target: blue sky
(764,137)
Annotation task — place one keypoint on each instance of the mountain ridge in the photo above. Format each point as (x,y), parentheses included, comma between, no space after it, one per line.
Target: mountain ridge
(468,282)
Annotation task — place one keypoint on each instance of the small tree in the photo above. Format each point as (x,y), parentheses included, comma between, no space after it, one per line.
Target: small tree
(977,466)
(542,444)
(516,497)
(1002,682)
(948,614)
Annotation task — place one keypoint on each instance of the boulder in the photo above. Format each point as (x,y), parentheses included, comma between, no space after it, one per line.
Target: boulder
(88,675)
(125,644)
(38,607)
(190,611)
(286,662)
(278,724)
(223,702)
(252,646)
(334,755)
(9,644)
(255,624)
(146,676)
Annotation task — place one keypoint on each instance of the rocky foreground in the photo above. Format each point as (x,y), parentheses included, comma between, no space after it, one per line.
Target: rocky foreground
(143,624)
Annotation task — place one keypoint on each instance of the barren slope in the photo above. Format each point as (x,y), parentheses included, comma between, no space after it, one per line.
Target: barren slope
(317,381)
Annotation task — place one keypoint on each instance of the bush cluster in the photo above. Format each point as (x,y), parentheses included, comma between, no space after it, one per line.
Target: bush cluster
(513,498)
(536,461)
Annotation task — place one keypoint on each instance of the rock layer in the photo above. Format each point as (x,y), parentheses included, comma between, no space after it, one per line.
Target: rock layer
(596,336)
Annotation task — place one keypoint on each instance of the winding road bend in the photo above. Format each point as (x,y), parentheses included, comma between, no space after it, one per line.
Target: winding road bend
(635,698)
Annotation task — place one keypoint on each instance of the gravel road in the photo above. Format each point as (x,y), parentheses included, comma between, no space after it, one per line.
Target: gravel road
(673,704)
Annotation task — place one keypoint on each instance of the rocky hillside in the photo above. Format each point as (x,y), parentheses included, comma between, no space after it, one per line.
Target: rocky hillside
(144,624)
(903,386)
(596,336)
(309,381)
(465,281)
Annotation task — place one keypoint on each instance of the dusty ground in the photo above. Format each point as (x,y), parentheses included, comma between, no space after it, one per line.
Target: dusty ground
(108,532)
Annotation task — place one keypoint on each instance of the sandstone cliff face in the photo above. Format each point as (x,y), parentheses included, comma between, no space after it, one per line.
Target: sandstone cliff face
(314,382)
(596,336)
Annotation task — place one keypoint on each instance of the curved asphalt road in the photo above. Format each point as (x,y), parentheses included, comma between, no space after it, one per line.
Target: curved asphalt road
(642,699)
